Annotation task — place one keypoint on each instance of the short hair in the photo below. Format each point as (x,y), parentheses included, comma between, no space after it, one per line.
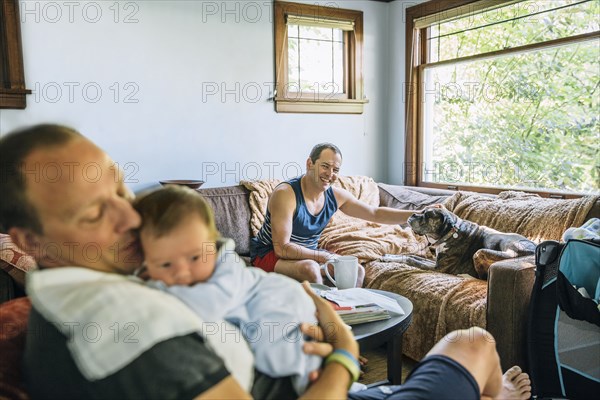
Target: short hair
(164,209)
(15,147)
(316,151)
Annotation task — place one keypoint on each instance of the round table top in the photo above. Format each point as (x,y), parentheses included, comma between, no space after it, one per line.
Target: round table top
(373,334)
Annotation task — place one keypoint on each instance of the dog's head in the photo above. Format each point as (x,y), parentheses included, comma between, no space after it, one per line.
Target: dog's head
(433,221)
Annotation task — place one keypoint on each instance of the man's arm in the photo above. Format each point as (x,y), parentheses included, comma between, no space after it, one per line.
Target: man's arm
(356,208)
(282,205)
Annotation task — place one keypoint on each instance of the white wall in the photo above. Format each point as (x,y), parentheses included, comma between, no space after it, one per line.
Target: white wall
(166,58)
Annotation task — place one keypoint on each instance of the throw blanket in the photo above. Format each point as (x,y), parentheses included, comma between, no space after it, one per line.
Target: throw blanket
(521,213)
(346,235)
(259,199)
(370,241)
(442,302)
(108,306)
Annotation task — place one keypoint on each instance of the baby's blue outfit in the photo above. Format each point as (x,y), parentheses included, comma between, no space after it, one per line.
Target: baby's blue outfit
(267,307)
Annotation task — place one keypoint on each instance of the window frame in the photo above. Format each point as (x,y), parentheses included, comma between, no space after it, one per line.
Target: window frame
(417,55)
(12,76)
(353,101)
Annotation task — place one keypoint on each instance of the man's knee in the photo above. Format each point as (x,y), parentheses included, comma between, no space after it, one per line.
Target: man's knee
(474,339)
(310,270)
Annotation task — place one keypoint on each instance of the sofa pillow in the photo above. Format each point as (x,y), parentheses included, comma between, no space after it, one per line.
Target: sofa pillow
(405,199)
(13,330)
(232,214)
(15,261)
(527,214)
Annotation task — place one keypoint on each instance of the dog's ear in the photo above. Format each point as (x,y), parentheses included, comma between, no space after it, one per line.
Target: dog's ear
(448,220)
(430,212)
(435,213)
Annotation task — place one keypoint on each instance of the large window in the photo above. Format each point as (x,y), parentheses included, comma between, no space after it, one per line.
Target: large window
(504,94)
(318,56)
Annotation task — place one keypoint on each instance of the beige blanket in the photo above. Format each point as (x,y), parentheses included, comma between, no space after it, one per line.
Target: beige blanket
(259,199)
(522,213)
(442,302)
(345,235)
(369,241)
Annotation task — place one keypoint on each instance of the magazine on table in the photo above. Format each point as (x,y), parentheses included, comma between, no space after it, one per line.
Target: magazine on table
(359,306)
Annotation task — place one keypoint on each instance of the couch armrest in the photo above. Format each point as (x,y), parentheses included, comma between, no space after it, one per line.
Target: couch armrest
(509,289)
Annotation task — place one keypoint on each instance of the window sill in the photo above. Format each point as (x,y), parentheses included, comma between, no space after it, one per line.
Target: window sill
(13,98)
(332,106)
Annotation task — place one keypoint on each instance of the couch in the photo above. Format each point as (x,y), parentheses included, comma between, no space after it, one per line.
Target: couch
(442,302)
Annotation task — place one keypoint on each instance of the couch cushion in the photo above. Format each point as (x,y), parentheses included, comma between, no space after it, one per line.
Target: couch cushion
(15,261)
(442,302)
(13,330)
(406,199)
(232,214)
(527,214)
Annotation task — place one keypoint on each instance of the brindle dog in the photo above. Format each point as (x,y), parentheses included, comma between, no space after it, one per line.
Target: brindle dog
(463,247)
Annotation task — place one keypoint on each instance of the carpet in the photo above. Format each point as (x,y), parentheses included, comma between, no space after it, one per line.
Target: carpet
(376,368)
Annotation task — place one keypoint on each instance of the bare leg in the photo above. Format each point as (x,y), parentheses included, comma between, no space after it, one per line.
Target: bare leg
(475,349)
(301,270)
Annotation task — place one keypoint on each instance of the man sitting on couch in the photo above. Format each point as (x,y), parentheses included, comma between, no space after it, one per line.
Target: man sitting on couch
(299,210)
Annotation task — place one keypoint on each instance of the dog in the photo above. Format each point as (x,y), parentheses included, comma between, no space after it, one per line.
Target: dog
(463,247)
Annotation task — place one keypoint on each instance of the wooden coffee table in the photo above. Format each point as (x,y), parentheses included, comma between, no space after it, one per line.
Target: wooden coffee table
(389,332)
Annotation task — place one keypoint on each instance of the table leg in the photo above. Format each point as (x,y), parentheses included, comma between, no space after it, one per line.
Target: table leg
(394,359)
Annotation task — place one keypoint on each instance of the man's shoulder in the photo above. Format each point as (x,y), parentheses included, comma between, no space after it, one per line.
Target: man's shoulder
(341,195)
(284,186)
(283,194)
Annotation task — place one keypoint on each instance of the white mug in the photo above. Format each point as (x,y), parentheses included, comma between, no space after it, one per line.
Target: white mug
(345,270)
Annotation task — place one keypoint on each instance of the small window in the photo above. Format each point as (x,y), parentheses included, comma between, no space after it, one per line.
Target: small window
(12,77)
(318,56)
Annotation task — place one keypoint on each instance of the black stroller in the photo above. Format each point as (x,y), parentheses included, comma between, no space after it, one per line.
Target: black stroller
(563,345)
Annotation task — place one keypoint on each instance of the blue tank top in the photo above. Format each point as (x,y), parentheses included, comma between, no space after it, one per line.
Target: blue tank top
(306,228)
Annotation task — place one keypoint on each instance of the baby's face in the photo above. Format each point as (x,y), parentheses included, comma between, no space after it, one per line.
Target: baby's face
(184,256)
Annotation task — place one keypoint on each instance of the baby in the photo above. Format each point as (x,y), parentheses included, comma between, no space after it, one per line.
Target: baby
(185,257)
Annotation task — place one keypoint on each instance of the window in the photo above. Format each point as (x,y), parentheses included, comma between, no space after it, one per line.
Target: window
(12,78)
(504,95)
(318,57)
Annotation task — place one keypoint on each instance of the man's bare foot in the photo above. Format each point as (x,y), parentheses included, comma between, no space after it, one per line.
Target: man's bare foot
(515,385)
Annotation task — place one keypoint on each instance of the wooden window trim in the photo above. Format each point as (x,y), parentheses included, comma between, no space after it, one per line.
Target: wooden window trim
(353,58)
(414,62)
(12,84)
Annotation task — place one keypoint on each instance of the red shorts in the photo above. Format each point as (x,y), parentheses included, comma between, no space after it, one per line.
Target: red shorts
(266,263)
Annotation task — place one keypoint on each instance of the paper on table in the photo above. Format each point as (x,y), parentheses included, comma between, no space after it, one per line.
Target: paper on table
(357,297)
